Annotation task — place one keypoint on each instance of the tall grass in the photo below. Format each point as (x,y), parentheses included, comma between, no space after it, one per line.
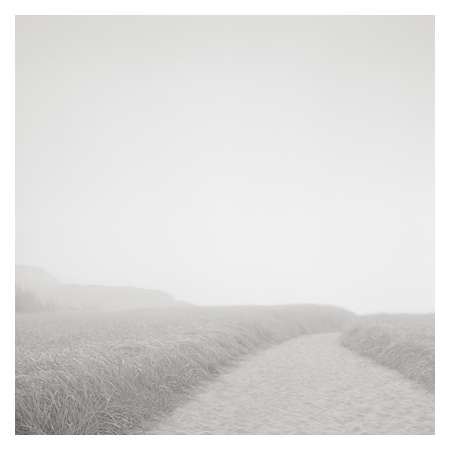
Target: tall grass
(401,342)
(107,374)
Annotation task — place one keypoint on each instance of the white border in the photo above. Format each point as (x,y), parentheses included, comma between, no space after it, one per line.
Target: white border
(232,7)
(242,7)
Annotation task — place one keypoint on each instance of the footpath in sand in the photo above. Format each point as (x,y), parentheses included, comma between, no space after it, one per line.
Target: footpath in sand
(308,385)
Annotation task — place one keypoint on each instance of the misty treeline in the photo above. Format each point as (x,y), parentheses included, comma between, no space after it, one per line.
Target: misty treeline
(26,301)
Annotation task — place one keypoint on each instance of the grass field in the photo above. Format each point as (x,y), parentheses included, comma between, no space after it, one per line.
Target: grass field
(107,373)
(402,342)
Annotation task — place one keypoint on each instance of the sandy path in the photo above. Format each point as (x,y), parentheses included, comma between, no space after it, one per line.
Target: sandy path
(309,385)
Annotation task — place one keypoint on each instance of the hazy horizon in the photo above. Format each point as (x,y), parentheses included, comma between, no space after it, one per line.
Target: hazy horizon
(230,160)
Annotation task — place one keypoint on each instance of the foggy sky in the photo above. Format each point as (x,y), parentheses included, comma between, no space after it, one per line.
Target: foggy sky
(230,159)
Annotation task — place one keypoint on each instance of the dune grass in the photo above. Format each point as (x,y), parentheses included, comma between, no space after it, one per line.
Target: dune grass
(401,342)
(110,373)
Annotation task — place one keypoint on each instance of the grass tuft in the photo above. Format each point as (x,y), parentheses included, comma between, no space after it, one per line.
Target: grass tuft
(401,342)
(107,374)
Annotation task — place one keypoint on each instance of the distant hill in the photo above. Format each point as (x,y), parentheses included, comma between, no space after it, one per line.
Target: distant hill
(35,279)
(113,297)
(50,292)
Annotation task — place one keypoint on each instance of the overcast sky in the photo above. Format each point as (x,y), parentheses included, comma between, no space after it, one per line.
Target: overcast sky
(230,159)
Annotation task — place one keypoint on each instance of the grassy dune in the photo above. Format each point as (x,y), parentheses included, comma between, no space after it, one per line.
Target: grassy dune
(401,342)
(92,373)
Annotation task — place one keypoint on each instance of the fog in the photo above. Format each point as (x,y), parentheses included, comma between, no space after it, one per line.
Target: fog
(230,160)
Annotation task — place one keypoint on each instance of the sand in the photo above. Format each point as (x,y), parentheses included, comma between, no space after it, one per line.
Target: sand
(308,385)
